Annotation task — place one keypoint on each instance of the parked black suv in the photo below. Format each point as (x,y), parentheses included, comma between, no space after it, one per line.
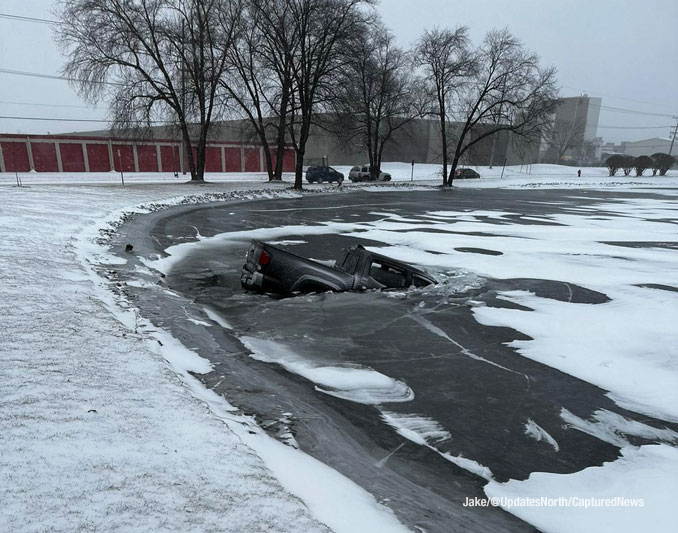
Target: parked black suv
(322,174)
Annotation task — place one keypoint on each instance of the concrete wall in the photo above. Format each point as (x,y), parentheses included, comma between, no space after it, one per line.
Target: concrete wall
(420,140)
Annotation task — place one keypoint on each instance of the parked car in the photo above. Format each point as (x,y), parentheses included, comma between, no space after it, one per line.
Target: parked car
(270,269)
(466,173)
(323,174)
(363,174)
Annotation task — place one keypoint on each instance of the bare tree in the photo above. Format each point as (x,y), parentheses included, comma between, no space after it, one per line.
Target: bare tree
(508,92)
(260,78)
(322,27)
(561,136)
(153,60)
(447,60)
(376,95)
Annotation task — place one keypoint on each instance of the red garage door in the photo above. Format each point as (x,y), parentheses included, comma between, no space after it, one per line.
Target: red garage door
(148,158)
(44,157)
(15,155)
(123,157)
(233,160)
(97,156)
(289,161)
(169,158)
(252,162)
(72,158)
(213,159)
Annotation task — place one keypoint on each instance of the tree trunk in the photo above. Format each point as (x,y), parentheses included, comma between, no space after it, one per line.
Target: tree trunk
(443,137)
(188,155)
(299,170)
(300,150)
(280,141)
(268,161)
(453,169)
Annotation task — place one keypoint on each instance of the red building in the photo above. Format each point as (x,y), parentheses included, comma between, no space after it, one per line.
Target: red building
(71,153)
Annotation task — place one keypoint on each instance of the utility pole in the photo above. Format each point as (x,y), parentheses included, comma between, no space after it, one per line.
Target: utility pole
(673,139)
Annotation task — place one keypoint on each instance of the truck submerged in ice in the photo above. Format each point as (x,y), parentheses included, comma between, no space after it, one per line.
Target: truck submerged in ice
(271,269)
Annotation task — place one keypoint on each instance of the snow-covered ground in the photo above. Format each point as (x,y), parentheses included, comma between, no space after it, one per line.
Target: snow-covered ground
(103,427)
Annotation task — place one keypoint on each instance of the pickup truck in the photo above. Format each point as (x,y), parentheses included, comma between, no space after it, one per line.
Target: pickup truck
(270,269)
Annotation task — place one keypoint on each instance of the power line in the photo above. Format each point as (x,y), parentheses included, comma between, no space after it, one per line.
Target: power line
(51,119)
(56,119)
(617,97)
(48,105)
(635,127)
(630,111)
(28,19)
(48,76)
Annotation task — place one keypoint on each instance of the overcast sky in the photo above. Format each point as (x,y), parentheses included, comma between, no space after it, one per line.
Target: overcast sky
(624,51)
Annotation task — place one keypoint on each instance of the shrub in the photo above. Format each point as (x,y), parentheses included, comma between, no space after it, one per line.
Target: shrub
(627,164)
(614,163)
(662,162)
(642,163)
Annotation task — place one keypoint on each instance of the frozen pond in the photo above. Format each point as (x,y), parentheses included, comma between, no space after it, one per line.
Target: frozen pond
(537,352)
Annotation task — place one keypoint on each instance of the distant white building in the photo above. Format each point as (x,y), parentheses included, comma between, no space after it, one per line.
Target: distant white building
(647,147)
(573,135)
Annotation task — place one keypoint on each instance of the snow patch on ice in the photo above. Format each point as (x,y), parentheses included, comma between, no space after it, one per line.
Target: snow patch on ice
(287,242)
(648,473)
(469,465)
(216,317)
(425,431)
(538,433)
(349,382)
(627,346)
(613,428)
(419,429)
